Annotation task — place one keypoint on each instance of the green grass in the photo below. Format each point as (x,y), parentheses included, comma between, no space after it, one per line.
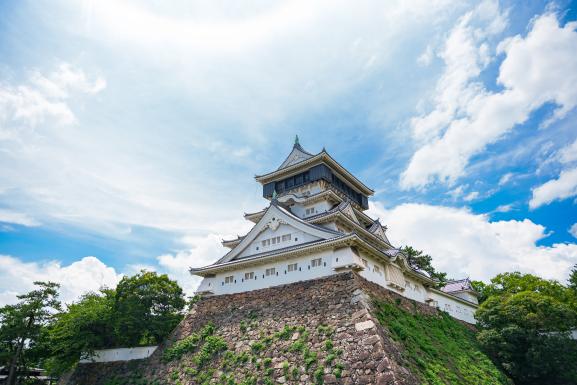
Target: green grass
(439,349)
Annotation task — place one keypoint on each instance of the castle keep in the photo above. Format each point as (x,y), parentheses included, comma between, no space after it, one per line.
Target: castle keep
(316,226)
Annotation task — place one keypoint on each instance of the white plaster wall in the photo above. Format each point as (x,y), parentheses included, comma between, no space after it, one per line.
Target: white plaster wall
(454,307)
(121,354)
(467,296)
(413,289)
(261,281)
(297,237)
(331,261)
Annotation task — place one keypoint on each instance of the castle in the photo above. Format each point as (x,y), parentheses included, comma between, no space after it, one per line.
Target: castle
(316,226)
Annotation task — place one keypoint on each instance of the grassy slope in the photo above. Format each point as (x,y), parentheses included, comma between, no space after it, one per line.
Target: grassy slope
(439,349)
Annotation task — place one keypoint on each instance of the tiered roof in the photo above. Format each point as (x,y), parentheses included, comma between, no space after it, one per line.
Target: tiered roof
(457,286)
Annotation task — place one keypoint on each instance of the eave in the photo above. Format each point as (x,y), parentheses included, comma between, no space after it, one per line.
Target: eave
(322,157)
(459,299)
(254,217)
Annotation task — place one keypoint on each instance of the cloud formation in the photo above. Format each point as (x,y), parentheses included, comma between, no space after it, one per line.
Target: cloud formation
(537,69)
(466,244)
(86,274)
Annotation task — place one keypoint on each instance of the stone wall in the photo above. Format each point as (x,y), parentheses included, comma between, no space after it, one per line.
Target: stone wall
(318,331)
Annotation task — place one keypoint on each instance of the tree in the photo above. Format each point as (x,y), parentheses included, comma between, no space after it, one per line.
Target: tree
(480,287)
(21,325)
(87,325)
(418,260)
(527,334)
(573,279)
(147,308)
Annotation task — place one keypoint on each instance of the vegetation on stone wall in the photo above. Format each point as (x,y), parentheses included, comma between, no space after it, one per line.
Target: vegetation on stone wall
(438,348)
(202,354)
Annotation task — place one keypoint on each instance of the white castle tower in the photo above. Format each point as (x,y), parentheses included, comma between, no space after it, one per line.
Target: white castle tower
(316,226)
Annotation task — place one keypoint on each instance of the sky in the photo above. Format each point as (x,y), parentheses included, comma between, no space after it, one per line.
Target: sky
(131,131)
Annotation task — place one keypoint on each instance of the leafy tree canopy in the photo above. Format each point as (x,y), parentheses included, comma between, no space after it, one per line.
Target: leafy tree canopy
(21,327)
(147,307)
(87,325)
(424,262)
(525,326)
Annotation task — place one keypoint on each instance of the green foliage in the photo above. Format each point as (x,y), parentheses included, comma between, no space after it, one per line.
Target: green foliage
(439,349)
(330,358)
(325,330)
(295,373)
(527,332)
(318,375)
(243,326)
(329,345)
(188,344)
(573,279)
(285,333)
(512,283)
(310,358)
(87,325)
(338,370)
(421,261)
(212,346)
(147,308)
(297,346)
(257,347)
(22,327)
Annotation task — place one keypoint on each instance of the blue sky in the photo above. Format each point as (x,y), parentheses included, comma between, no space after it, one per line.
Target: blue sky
(130,131)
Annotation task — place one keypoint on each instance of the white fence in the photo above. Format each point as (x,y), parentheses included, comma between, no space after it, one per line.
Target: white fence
(120,354)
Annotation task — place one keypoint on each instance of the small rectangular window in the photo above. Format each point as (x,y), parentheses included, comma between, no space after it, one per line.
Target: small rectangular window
(263,243)
(274,241)
(278,239)
(292,267)
(249,275)
(229,279)
(271,271)
(286,237)
(365,263)
(316,262)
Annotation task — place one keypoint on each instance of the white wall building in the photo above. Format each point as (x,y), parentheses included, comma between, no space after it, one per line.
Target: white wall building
(315,226)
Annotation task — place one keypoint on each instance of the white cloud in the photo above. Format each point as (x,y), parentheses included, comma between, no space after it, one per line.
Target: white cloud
(471,196)
(573,230)
(9,216)
(556,189)
(87,274)
(537,69)
(43,97)
(202,251)
(504,208)
(505,178)
(466,244)
(568,153)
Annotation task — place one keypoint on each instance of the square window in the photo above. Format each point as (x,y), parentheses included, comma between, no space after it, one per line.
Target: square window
(229,279)
(293,267)
(316,262)
(270,271)
(249,275)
